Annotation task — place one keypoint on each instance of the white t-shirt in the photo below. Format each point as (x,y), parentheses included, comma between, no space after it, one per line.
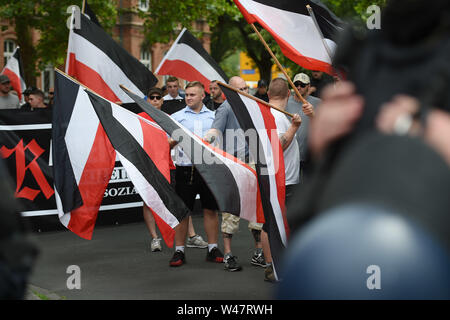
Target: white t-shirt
(169,97)
(291,154)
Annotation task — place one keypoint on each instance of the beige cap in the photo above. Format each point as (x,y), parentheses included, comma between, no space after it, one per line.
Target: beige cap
(302,78)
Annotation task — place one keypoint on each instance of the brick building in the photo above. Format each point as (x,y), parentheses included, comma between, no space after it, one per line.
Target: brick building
(128,32)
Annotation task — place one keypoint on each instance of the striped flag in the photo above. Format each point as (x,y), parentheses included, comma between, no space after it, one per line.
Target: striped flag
(269,159)
(83,160)
(14,70)
(99,63)
(232,182)
(295,31)
(187,59)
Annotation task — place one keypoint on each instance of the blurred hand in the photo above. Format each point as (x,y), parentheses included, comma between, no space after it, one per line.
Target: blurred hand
(296,120)
(340,108)
(391,113)
(308,109)
(437,133)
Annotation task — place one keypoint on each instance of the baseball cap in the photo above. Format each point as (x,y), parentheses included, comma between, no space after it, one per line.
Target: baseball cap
(29,90)
(302,78)
(4,78)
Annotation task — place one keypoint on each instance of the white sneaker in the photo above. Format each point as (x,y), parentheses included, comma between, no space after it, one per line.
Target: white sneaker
(196,242)
(156,245)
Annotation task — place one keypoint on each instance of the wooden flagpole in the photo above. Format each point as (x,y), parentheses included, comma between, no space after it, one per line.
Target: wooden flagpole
(254,98)
(83,6)
(297,93)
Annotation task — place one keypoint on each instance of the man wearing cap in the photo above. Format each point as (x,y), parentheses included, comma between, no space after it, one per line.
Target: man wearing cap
(261,92)
(306,111)
(7,100)
(26,97)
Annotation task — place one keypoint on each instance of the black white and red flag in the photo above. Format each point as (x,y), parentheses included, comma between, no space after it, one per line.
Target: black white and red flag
(295,31)
(269,161)
(14,70)
(232,182)
(188,60)
(84,155)
(99,63)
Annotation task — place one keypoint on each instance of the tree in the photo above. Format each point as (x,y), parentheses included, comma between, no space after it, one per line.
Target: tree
(49,18)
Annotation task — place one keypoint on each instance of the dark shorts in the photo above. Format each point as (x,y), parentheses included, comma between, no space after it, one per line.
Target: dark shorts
(189,183)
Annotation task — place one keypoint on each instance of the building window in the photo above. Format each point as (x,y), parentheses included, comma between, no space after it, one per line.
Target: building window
(146,59)
(47,79)
(143,5)
(8,49)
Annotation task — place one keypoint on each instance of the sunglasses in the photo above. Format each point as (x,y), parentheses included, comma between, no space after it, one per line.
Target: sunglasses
(155,97)
(300,84)
(243,89)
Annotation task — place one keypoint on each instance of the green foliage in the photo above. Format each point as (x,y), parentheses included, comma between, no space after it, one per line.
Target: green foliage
(49,18)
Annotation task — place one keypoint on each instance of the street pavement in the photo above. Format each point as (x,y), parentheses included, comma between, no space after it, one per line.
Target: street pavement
(118,264)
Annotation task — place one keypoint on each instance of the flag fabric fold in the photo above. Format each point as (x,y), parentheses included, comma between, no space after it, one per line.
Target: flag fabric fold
(295,31)
(14,70)
(268,155)
(99,63)
(187,59)
(85,151)
(83,158)
(232,182)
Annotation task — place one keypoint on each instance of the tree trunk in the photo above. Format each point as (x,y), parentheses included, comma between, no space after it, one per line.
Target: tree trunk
(27,50)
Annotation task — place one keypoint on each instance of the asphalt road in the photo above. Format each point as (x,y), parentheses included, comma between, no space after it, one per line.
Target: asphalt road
(118,264)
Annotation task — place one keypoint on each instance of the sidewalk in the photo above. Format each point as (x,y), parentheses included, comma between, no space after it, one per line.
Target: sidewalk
(117,264)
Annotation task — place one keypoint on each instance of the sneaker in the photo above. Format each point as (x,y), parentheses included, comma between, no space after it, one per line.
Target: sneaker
(259,260)
(214,255)
(196,242)
(156,245)
(231,264)
(269,275)
(177,259)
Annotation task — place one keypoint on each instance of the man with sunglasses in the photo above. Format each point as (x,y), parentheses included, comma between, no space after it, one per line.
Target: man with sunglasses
(306,112)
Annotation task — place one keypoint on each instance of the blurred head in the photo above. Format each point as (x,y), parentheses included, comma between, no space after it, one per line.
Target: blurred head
(215,90)
(172,86)
(51,94)
(5,84)
(238,83)
(36,99)
(409,21)
(195,93)
(155,97)
(317,74)
(262,86)
(278,89)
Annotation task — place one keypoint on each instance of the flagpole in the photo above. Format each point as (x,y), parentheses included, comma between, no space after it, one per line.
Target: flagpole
(254,98)
(83,6)
(325,44)
(297,93)
(316,24)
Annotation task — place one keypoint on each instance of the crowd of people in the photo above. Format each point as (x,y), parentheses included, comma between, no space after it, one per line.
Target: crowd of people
(33,97)
(207,106)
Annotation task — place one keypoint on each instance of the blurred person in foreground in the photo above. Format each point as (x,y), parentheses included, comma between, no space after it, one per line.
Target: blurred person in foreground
(375,215)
